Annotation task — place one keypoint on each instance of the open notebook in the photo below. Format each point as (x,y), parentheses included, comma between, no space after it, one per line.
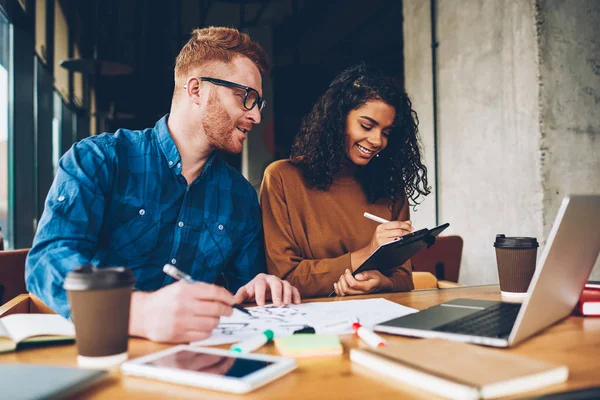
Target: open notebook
(29,328)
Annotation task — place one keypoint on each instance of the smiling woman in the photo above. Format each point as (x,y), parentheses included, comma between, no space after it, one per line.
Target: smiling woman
(357,151)
(367,131)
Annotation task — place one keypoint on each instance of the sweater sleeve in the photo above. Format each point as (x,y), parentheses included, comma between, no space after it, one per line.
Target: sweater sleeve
(311,277)
(402,276)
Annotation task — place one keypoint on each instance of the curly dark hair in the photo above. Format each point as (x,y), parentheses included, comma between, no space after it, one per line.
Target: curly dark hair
(318,148)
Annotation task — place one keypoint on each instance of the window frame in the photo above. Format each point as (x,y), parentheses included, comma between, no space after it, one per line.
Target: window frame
(8,232)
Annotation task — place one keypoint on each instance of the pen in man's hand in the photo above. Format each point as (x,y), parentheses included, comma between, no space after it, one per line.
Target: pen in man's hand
(173,272)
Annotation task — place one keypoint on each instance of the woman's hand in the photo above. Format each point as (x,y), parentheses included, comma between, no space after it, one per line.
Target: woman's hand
(389,231)
(384,233)
(363,283)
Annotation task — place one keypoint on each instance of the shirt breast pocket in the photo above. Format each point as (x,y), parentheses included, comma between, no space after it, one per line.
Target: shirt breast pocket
(215,245)
(136,231)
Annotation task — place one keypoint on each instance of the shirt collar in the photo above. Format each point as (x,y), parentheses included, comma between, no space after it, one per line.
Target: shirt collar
(166,143)
(169,149)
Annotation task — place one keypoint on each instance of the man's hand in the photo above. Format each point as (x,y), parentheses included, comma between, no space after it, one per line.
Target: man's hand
(363,283)
(263,287)
(179,313)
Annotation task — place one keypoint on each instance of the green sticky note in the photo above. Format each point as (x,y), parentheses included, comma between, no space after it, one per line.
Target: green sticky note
(308,344)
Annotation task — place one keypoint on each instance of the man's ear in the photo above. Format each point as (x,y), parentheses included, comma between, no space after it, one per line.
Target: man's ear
(194,90)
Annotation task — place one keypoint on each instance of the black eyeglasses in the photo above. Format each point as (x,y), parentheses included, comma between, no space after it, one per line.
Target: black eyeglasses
(251,97)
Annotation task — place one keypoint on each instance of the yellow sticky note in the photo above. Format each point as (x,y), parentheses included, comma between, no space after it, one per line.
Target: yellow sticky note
(308,345)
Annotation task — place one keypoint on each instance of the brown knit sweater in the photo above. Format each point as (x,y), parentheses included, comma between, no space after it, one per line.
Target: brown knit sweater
(309,233)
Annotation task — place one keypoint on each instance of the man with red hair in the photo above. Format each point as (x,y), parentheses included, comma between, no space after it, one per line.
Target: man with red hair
(145,198)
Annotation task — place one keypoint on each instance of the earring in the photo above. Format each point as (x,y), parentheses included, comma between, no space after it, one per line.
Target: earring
(377,155)
(185,86)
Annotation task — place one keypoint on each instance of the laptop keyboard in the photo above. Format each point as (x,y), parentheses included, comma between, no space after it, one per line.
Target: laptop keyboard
(495,321)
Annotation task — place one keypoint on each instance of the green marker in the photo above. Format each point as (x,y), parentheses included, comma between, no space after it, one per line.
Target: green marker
(249,345)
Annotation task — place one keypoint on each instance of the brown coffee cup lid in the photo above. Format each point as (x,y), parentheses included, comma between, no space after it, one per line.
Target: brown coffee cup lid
(88,277)
(503,242)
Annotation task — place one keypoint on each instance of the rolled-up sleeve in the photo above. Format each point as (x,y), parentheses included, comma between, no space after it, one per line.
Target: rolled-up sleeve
(68,231)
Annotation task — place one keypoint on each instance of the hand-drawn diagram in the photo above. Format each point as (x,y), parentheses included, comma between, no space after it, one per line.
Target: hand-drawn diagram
(281,320)
(231,328)
(325,317)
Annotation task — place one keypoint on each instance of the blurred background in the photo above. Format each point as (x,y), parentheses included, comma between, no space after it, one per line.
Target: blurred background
(507,93)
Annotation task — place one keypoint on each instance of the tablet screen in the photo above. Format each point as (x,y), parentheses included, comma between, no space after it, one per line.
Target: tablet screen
(210,363)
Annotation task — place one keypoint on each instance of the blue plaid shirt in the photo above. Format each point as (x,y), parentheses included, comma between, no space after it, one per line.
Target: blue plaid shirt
(120,200)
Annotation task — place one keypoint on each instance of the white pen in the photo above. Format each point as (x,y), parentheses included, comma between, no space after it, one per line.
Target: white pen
(378,219)
(375,218)
(173,272)
(177,274)
(369,337)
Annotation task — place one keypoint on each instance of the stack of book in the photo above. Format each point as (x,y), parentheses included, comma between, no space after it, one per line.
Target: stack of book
(589,301)
(458,370)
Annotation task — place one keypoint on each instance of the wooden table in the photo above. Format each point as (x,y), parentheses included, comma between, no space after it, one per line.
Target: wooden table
(574,342)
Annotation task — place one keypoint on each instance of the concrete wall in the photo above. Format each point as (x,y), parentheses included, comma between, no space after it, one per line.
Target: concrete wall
(418,82)
(516,119)
(569,58)
(488,132)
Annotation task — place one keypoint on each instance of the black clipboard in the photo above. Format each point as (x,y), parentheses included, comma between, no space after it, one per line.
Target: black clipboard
(392,255)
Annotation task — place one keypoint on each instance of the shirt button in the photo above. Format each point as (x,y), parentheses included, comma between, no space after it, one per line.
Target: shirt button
(178,165)
(142,211)
(180,224)
(173,261)
(61,198)
(220,227)
(170,162)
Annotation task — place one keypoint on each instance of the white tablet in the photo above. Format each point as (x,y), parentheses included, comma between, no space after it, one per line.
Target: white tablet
(215,369)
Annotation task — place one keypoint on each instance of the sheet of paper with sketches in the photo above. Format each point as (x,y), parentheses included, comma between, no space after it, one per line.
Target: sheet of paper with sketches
(283,321)
(336,317)
(326,317)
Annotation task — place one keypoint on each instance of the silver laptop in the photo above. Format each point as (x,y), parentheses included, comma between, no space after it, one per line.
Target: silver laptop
(565,266)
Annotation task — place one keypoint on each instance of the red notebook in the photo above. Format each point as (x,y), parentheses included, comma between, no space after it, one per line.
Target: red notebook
(589,302)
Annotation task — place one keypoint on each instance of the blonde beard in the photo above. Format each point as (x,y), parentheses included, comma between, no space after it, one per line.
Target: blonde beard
(218,126)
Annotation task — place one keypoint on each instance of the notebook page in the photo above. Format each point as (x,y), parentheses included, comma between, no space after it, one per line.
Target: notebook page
(22,326)
(3,331)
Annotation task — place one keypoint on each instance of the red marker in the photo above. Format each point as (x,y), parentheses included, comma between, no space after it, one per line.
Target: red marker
(370,338)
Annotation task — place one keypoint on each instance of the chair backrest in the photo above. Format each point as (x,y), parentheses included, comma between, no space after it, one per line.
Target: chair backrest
(442,259)
(424,280)
(12,273)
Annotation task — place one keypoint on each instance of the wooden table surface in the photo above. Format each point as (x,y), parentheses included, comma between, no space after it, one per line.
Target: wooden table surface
(575,342)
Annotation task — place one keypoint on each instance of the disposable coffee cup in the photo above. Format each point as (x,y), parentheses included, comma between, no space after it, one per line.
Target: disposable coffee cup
(516,258)
(100,300)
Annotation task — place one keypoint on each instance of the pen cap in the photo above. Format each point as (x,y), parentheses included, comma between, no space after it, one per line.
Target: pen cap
(269,334)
